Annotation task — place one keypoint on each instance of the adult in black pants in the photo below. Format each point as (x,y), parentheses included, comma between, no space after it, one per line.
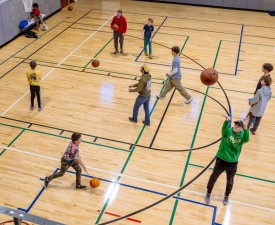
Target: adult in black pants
(34,77)
(227,157)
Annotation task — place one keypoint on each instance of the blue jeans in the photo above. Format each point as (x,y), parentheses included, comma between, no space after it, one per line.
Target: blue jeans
(145,102)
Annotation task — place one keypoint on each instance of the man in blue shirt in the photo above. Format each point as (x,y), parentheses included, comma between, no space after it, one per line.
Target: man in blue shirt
(147,35)
(175,78)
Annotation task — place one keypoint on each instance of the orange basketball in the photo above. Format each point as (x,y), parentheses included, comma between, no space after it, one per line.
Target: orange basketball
(70,8)
(115,27)
(95,63)
(94,183)
(209,76)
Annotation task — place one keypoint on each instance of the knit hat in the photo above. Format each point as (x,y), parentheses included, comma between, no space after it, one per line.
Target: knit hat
(146,68)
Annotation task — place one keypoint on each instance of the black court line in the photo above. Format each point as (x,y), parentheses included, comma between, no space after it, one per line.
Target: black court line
(45,44)
(101,31)
(180,28)
(108,74)
(187,18)
(162,118)
(65,130)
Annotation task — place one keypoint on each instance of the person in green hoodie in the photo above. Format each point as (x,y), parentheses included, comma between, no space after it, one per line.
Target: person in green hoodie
(143,87)
(229,151)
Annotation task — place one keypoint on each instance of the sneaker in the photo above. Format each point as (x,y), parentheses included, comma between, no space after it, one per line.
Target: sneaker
(121,50)
(150,57)
(145,53)
(81,187)
(225,200)
(252,132)
(132,120)
(207,198)
(189,100)
(116,51)
(32,108)
(145,123)
(46,182)
(159,97)
(40,109)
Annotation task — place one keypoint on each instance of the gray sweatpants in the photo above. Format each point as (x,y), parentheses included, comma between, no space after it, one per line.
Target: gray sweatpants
(121,39)
(177,84)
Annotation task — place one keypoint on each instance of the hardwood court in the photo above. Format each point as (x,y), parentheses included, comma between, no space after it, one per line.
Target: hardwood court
(96,102)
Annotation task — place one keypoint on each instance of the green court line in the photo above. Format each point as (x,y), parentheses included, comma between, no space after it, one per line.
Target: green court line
(243,92)
(239,174)
(60,136)
(249,43)
(98,53)
(193,142)
(21,132)
(81,67)
(12,56)
(132,151)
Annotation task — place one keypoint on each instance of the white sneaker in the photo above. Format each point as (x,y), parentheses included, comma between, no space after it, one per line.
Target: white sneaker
(189,100)
(159,97)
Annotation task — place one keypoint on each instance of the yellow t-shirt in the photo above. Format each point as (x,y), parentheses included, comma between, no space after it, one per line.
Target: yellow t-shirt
(34,77)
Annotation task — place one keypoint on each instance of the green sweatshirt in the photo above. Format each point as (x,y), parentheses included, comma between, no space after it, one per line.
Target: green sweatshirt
(231,144)
(143,87)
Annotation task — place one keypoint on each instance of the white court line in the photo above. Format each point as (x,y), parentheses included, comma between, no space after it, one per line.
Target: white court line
(59,64)
(139,179)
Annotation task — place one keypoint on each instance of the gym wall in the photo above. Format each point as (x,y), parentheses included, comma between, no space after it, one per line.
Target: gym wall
(13,11)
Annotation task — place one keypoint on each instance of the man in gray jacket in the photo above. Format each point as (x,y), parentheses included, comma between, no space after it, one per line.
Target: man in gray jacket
(259,103)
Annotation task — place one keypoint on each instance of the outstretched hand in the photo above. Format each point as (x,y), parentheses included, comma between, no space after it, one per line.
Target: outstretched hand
(246,121)
(227,118)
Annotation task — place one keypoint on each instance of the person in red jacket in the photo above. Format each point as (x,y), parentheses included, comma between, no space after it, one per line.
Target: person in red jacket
(122,27)
(36,15)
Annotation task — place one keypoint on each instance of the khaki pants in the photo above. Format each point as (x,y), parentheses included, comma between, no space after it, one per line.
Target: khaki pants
(177,84)
(64,167)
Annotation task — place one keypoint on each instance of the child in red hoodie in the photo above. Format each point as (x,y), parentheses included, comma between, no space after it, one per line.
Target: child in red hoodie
(120,32)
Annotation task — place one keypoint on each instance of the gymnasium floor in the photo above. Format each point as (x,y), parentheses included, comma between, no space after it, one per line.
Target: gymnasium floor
(96,102)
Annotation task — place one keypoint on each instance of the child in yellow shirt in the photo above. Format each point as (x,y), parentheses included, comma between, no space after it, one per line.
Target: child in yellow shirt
(34,77)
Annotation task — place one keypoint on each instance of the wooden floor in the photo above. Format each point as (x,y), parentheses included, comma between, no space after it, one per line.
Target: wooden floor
(96,102)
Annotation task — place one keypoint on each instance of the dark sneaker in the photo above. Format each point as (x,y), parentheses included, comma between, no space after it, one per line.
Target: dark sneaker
(252,132)
(145,123)
(225,200)
(81,187)
(207,198)
(116,51)
(132,120)
(40,109)
(32,108)
(121,50)
(46,181)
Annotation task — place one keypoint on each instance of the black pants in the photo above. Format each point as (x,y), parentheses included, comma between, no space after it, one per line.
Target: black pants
(35,90)
(255,120)
(220,166)
(121,39)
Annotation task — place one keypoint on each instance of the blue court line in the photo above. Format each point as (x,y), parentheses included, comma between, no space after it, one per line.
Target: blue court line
(240,44)
(130,186)
(36,198)
(152,36)
(217,224)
